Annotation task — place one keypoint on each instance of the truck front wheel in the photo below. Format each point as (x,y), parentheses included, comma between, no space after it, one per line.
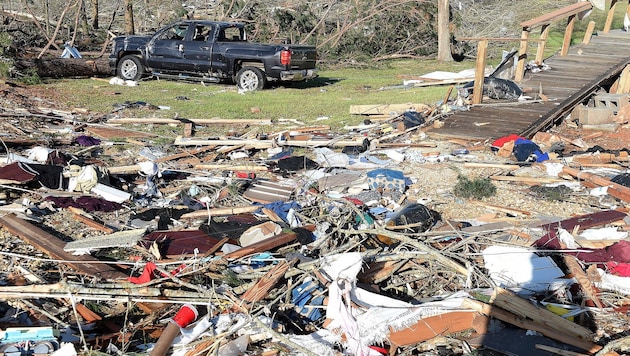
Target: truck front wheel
(250,79)
(130,68)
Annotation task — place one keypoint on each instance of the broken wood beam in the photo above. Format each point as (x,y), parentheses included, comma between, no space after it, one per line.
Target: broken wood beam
(263,245)
(260,290)
(528,322)
(616,190)
(89,220)
(583,281)
(215,121)
(511,308)
(220,212)
(248,168)
(54,247)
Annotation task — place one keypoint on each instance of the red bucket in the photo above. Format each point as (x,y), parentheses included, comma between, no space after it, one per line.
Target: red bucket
(186,315)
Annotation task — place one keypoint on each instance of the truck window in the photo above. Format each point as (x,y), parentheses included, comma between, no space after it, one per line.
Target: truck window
(231,34)
(202,33)
(177,32)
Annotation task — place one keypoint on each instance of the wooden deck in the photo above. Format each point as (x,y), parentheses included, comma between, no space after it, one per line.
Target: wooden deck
(571,80)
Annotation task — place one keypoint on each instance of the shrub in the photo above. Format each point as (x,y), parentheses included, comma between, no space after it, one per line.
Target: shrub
(476,188)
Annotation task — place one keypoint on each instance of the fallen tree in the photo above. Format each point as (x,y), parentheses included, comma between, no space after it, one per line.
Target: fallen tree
(64,67)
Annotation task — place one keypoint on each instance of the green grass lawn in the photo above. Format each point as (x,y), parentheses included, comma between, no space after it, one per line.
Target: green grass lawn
(330,95)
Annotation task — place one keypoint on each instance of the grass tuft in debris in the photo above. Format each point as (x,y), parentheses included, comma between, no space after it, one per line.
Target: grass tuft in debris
(559,193)
(476,188)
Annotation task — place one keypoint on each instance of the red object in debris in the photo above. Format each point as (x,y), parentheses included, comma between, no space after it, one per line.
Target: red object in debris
(148,274)
(247,175)
(379,349)
(619,269)
(186,315)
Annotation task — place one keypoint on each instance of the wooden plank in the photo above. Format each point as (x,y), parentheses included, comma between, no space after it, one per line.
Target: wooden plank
(537,319)
(561,13)
(264,245)
(616,190)
(80,216)
(53,246)
(268,281)
(381,109)
(215,121)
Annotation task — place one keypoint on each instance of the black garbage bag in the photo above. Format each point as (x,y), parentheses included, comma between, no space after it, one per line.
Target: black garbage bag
(497,88)
(416,217)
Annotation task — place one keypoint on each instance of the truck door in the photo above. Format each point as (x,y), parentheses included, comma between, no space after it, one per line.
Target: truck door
(166,50)
(226,38)
(198,50)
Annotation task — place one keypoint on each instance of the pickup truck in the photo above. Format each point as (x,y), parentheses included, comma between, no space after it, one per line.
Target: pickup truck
(210,51)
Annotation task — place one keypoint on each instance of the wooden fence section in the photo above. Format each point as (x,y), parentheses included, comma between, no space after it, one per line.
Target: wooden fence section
(572,79)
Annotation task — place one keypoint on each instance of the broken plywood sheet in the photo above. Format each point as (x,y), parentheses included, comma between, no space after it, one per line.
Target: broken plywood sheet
(128,238)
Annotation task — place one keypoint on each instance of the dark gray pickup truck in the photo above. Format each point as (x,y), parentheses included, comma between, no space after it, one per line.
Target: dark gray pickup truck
(211,52)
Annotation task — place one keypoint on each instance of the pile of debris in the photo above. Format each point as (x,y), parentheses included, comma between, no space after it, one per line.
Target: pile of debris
(375,241)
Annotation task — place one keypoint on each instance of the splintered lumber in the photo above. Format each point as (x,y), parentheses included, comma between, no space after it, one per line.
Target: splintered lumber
(616,190)
(527,180)
(263,245)
(431,253)
(53,246)
(89,220)
(509,167)
(510,308)
(260,290)
(587,287)
(264,144)
(504,209)
(248,168)
(385,109)
(216,121)
(600,157)
(123,292)
(220,212)
(257,144)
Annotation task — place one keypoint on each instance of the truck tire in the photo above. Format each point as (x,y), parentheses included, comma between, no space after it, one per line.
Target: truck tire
(250,79)
(130,68)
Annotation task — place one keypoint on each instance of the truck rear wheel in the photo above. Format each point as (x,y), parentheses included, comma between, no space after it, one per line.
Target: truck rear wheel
(250,79)
(130,68)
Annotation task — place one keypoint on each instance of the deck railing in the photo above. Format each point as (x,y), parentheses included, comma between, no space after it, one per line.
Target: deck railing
(543,22)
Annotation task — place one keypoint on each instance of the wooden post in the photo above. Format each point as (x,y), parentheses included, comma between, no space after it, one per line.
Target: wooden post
(568,32)
(623,84)
(540,52)
(522,56)
(609,17)
(589,32)
(480,71)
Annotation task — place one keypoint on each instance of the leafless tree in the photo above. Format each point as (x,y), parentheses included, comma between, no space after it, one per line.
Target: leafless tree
(444,36)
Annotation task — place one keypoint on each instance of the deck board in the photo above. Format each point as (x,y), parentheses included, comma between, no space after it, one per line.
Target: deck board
(572,80)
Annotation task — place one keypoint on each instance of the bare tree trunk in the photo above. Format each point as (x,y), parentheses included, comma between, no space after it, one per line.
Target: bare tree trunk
(94,14)
(129,27)
(65,67)
(444,36)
